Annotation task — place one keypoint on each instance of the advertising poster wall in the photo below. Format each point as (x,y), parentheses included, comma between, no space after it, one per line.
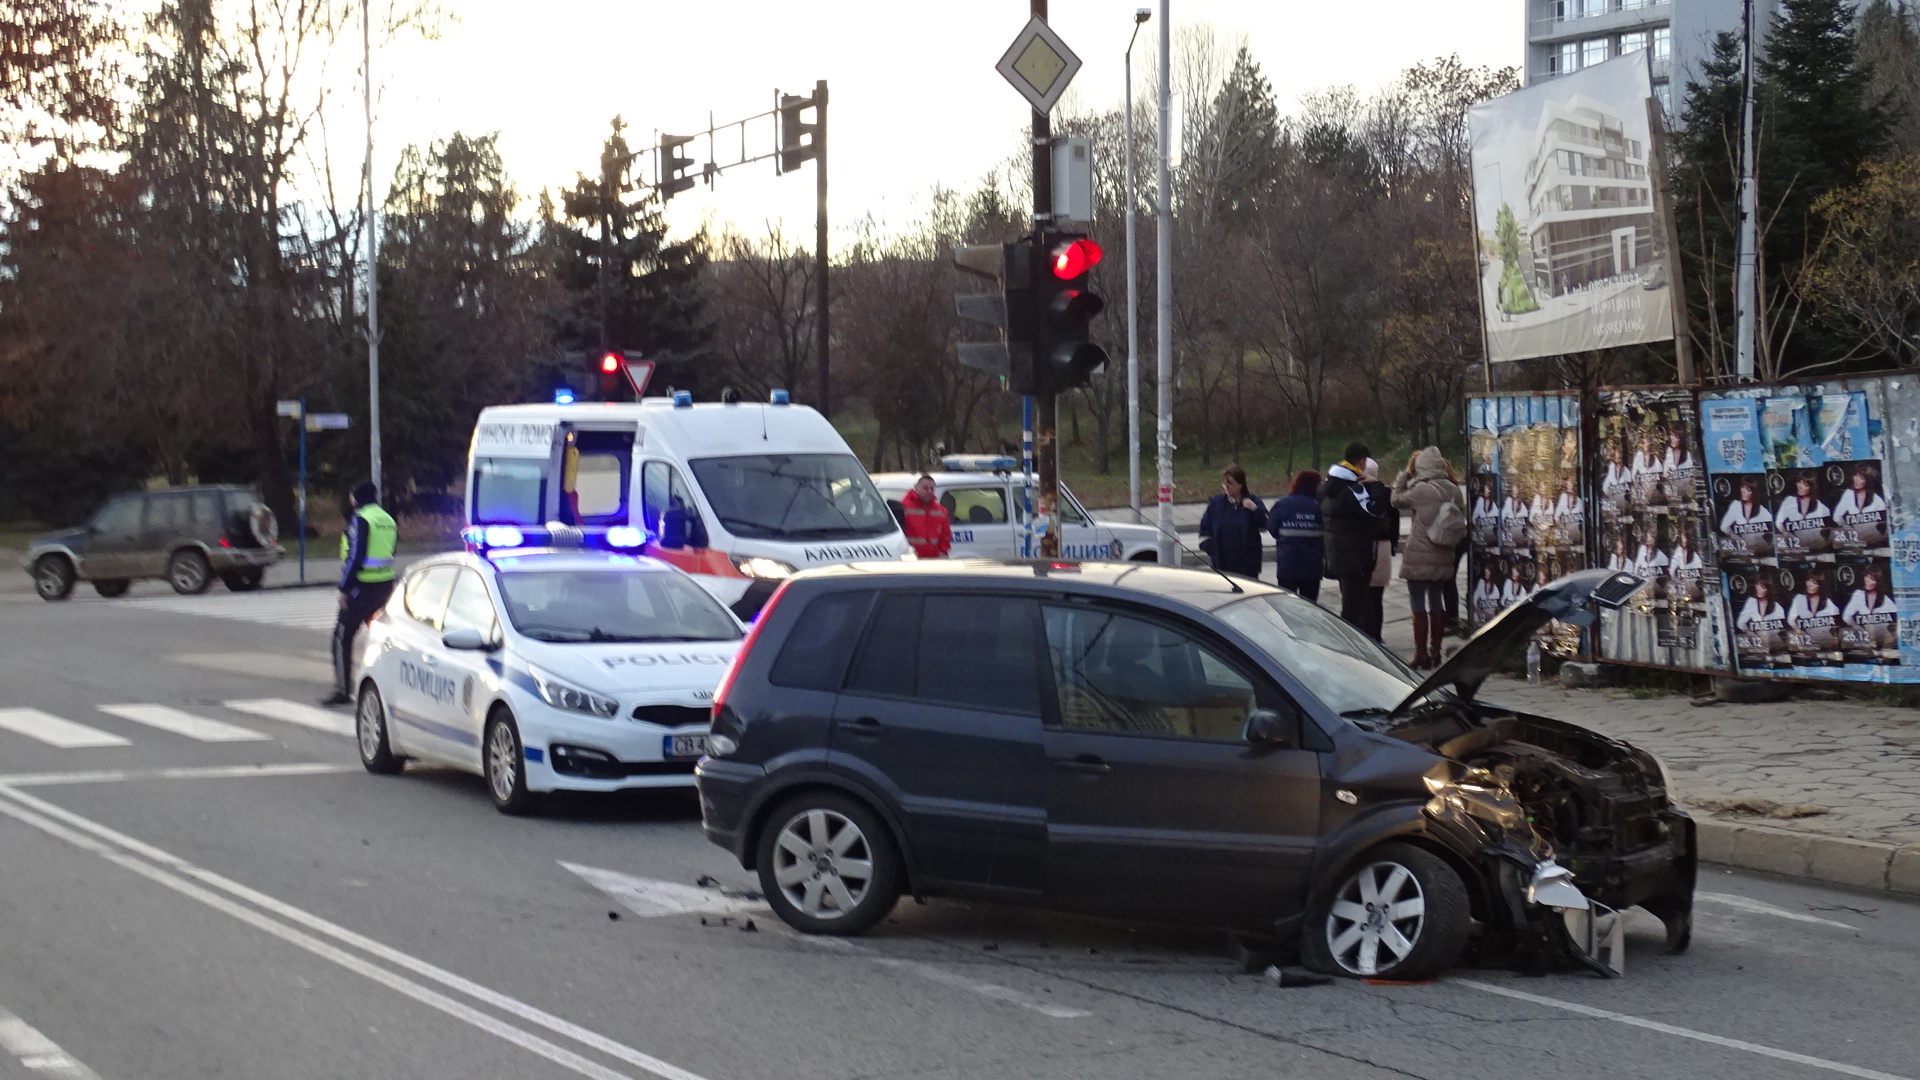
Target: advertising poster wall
(1656,521)
(1527,507)
(1818,560)
(1570,250)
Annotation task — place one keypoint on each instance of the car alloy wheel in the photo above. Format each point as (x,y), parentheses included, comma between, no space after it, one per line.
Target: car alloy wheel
(370,724)
(53,577)
(188,573)
(823,863)
(1376,921)
(506,776)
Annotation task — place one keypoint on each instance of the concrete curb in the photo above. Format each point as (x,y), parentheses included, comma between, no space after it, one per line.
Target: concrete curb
(1858,864)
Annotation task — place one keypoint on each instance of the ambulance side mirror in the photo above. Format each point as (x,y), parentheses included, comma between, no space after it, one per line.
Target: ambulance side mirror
(681,527)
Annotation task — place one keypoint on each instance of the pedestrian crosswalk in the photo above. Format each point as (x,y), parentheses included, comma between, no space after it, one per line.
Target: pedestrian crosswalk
(300,609)
(69,734)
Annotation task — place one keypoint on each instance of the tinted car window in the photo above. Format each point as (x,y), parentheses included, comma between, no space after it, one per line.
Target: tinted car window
(119,517)
(427,593)
(167,512)
(206,509)
(816,653)
(887,660)
(979,651)
(1126,675)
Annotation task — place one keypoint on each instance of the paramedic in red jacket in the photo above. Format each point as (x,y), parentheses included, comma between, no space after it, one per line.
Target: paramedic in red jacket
(928,526)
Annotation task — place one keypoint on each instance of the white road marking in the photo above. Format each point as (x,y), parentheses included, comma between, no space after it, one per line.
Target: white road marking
(198,772)
(175,872)
(183,723)
(299,609)
(54,731)
(293,712)
(1757,907)
(1684,1033)
(650,897)
(39,1053)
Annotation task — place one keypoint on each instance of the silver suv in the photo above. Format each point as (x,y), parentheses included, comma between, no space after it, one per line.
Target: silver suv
(187,536)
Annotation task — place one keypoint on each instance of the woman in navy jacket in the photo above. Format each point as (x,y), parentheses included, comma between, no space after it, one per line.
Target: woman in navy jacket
(1230,529)
(1298,542)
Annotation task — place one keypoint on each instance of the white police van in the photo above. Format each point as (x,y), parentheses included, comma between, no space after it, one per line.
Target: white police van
(984,496)
(739,495)
(544,670)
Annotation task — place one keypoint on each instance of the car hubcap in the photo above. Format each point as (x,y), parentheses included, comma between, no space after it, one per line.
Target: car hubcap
(369,726)
(503,761)
(823,864)
(1376,920)
(186,574)
(51,580)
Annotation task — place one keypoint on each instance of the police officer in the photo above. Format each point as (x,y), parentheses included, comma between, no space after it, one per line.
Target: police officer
(366,580)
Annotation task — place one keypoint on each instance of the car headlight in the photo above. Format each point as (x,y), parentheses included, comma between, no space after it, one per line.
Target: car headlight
(562,695)
(765,569)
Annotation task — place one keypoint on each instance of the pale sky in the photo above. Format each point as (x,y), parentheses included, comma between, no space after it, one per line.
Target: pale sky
(915,100)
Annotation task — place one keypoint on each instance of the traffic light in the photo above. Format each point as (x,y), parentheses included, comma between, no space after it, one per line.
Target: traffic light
(673,167)
(1065,357)
(610,376)
(1009,307)
(799,142)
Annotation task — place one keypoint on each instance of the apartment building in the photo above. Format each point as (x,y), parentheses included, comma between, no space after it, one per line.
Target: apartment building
(1564,36)
(1589,198)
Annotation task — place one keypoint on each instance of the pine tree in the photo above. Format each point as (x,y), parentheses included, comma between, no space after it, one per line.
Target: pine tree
(630,286)
(1889,37)
(1706,170)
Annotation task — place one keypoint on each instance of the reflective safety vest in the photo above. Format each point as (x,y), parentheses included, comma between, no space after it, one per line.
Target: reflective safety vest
(382,536)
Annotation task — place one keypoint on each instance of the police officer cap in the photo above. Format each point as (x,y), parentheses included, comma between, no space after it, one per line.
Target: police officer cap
(365,493)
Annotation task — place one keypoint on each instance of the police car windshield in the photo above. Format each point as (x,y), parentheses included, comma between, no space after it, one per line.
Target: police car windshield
(793,496)
(613,605)
(1347,670)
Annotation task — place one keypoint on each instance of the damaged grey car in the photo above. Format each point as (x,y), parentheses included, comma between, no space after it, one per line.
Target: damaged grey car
(1141,742)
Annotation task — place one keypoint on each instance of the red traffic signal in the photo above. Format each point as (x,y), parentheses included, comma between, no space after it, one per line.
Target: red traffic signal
(1075,258)
(610,363)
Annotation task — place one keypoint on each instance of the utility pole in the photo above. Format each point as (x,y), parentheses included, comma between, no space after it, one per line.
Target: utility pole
(373,258)
(1163,228)
(1746,298)
(820,327)
(1133,298)
(1044,409)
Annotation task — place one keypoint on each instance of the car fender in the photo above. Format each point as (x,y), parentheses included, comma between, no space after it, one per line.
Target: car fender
(214,562)
(813,771)
(79,565)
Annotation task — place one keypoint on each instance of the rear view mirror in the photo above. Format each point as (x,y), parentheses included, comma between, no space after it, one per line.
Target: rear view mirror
(465,639)
(1266,727)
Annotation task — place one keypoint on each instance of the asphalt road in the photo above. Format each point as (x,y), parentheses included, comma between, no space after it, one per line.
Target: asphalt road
(259,907)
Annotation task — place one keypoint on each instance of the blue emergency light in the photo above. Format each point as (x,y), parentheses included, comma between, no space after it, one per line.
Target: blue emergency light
(563,396)
(683,399)
(780,397)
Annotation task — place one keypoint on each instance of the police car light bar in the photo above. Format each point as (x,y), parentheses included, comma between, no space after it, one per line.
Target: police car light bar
(979,463)
(493,536)
(626,536)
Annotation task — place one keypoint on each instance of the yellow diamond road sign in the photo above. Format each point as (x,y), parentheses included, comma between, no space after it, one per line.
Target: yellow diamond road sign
(1039,65)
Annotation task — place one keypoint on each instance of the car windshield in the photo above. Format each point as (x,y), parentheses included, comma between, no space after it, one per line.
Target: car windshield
(793,496)
(613,605)
(1347,670)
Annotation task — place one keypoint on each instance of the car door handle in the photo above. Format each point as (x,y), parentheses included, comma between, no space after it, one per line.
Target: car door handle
(867,727)
(1086,764)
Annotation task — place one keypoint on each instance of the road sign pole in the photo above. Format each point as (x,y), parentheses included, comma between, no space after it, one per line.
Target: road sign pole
(303,491)
(1044,405)
(820,270)
(1163,229)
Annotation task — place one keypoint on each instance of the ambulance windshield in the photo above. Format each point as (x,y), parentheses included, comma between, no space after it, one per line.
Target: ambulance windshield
(793,497)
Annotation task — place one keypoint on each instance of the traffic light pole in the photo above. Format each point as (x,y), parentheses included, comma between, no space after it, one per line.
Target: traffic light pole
(1046,448)
(820,241)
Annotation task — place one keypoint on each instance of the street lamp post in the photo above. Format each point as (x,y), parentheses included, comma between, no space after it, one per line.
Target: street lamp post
(1133,297)
(373,256)
(1163,228)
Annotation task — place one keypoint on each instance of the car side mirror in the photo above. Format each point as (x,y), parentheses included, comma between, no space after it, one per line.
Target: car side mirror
(673,528)
(1267,727)
(464,639)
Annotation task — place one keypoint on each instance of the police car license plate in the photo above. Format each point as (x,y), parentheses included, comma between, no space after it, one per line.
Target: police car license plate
(683,746)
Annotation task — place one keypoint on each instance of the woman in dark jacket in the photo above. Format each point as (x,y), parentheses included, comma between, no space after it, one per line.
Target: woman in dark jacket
(1350,518)
(1297,544)
(1230,529)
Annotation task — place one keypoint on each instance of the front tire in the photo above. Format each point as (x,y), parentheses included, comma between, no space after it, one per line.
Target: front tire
(503,759)
(828,864)
(53,577)
(370,730)
(1401,914)
(112,587)
(188,572)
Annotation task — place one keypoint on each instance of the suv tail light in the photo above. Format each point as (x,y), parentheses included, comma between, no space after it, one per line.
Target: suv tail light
(740,658)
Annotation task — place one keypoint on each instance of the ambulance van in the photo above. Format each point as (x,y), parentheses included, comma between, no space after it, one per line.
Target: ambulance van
(740,495)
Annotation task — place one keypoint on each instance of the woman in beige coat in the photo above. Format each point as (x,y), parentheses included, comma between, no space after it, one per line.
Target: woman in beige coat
(1422,487)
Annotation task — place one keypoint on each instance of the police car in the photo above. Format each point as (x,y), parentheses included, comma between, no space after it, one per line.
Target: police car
(983,494)
(544,670)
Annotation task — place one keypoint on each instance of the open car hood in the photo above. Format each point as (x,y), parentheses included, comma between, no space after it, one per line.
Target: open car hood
(1565,600)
